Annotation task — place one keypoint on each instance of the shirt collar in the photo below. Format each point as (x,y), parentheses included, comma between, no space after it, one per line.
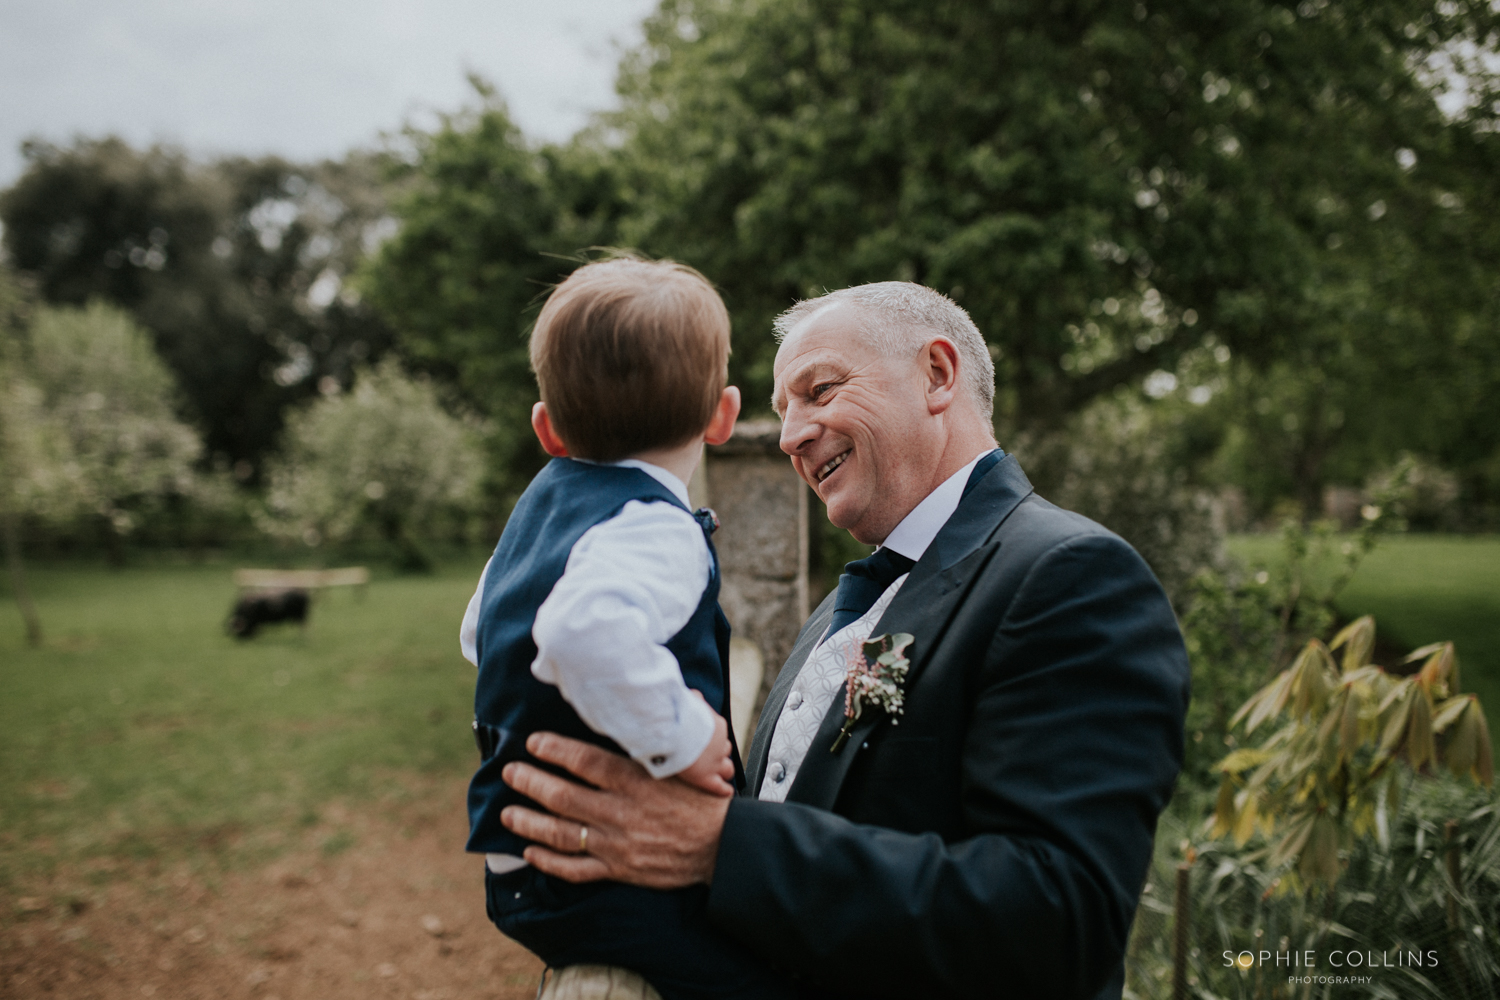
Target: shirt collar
(657,473)
(917,529)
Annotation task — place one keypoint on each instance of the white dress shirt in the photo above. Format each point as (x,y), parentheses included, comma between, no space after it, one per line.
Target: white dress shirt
(815,690)
(630,584)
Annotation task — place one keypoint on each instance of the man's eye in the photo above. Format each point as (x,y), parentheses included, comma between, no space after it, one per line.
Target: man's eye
(818,390)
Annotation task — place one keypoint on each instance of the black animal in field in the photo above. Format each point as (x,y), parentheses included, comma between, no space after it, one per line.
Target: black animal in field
(267,607)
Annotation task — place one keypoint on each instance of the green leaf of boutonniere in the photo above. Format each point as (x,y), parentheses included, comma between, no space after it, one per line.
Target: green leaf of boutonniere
(878,678)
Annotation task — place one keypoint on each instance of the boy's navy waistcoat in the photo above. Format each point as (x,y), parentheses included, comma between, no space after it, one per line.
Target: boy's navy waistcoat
(566,499)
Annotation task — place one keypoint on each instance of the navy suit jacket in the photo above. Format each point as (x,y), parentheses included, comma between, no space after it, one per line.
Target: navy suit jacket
(995,842)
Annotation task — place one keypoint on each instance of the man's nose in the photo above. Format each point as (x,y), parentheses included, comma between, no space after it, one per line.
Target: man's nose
(796,431)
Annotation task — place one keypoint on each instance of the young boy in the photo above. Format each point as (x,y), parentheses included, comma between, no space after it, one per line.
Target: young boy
(598,618)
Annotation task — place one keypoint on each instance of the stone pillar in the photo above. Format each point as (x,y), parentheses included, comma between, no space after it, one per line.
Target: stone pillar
(762,543)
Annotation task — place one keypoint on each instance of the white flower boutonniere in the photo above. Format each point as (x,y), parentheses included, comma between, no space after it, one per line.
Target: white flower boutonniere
(876,678)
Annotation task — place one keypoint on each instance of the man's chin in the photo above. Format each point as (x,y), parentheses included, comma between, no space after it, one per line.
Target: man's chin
(849,520)
(837,515)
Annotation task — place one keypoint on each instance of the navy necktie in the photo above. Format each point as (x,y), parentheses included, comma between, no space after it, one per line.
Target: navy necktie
(862,583)
(864,580)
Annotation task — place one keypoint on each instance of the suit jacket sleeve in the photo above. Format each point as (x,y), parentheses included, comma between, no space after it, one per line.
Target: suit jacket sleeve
(1069,756)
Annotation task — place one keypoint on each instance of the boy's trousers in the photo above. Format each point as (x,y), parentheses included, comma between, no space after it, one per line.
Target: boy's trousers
(662,934)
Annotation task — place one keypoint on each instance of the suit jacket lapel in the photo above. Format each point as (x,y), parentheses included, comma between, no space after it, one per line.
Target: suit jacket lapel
(760,744)
(927,600)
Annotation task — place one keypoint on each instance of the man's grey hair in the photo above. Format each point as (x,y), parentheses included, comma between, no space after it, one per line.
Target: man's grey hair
(898,317)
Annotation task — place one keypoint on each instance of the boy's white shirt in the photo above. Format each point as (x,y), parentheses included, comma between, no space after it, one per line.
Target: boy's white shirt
(630,584)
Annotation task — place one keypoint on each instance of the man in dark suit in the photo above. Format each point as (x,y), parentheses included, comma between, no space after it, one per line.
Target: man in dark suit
(990,840)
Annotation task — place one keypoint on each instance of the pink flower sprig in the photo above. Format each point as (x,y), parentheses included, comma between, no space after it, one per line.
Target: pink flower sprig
(875,678)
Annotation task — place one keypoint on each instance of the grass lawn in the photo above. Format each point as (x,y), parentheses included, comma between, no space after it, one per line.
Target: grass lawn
(139,729)
(1427,588)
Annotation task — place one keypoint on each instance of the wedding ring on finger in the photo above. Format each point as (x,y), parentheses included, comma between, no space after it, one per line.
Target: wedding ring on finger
(583,840)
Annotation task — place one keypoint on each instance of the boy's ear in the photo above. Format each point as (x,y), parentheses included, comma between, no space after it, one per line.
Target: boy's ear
(727,412)
(542,424)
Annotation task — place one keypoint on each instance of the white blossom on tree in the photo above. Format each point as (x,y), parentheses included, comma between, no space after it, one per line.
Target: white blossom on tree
(34,475)
(107,398)
(38,474)
(86,425)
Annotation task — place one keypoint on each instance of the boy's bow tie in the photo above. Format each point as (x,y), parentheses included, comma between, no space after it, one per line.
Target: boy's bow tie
(707,519)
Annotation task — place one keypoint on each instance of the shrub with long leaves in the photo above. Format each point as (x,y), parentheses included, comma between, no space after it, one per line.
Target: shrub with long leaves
(1329,775)
(1393,898)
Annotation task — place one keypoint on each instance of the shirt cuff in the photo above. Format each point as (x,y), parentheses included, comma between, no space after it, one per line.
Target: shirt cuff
(695,727)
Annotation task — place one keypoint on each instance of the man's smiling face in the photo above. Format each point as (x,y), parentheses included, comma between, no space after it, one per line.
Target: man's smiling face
(855,423)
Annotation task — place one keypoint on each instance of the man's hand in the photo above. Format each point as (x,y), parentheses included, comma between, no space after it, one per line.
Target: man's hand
(658,834)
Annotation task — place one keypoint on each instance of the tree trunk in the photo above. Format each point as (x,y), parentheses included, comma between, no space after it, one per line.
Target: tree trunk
(410,556)
(114,543)
(1308,461)
(18,578)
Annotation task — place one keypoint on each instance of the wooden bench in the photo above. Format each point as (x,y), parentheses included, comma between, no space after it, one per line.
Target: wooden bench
(300,579)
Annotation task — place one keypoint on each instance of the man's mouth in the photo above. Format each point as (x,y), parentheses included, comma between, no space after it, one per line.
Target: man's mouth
(827,469)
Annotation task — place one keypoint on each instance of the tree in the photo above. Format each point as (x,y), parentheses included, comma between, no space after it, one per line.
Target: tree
(1114,462)
(487,225)
(86,426)
(101,388)
(29,446)
(1381,371)
(1103,186)
(1112,190)
(383,456)
(237,268)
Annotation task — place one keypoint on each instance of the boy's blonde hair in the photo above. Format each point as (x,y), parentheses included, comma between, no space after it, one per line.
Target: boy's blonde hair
(630,355)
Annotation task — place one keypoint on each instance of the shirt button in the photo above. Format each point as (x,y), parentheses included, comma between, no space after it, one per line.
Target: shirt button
(658,760)
(778,772)
(795,701)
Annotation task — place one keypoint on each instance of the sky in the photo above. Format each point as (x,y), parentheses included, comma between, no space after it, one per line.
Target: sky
(305,79)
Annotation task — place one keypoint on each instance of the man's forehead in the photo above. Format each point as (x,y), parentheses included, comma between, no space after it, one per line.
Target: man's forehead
(791,347)
(808,321)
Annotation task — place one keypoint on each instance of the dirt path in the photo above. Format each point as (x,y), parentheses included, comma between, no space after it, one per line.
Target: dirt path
(400,913)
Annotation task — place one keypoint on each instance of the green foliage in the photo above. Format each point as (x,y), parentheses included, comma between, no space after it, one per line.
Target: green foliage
(88,436)
(27,445)
(1102,188)
(1393,898)
(103,390)
(1425,588)
(1113,462)
(1431,495)
(1326,778)
(487,226)
(1233,632)
(384,456)
(1342,410)
(33,450)
(1263,204)
(1241,628)
(235,267)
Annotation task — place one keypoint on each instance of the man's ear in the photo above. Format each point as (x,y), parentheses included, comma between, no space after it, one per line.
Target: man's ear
(542,424)
(725,414)
(942,365)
